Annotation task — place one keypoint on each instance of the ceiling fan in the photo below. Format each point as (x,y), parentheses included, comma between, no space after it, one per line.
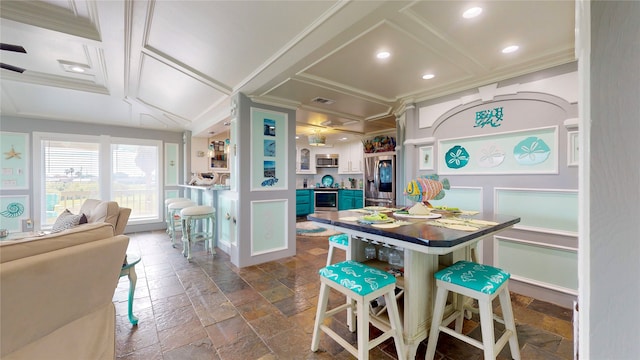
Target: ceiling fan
(14,48)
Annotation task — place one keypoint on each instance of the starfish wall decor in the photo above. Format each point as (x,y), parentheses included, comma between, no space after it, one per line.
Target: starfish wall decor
(12,154)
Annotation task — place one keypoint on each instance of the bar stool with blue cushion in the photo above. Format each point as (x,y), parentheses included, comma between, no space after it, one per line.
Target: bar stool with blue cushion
(340,241)
(483,283)
(191,233)
(175,223)
(362,284)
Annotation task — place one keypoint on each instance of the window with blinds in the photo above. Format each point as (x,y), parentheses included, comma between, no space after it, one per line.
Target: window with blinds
(71,175)
(76,168)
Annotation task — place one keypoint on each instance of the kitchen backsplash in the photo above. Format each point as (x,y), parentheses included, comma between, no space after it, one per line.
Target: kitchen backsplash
(341,180)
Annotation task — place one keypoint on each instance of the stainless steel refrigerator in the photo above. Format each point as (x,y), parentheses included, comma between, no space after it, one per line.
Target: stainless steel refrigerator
(380,180)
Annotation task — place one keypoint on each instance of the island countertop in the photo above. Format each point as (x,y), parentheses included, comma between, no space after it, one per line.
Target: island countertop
(418,232)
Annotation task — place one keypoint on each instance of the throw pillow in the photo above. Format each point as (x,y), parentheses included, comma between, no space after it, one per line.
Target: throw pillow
(67,220)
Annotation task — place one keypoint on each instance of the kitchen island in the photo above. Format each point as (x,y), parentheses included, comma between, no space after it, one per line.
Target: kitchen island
(209,195)
(426,247)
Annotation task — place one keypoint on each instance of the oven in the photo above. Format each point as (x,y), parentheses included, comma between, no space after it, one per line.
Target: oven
(325,200)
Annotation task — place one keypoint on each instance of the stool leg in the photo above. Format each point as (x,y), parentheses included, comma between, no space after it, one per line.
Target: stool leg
(213,235)
(394,319)
(486,324)
(323,300)
(330,254)
(363,329)
(436,320)
(509,322)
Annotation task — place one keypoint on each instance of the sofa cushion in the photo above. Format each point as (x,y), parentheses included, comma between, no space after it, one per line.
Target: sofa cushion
(101,211)
(67,220)
(17,249)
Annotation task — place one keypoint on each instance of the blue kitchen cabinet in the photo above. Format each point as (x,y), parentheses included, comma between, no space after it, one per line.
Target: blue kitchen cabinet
(304,202)
(350,199)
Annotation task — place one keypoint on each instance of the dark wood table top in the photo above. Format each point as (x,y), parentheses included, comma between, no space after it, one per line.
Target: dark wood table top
(419,232)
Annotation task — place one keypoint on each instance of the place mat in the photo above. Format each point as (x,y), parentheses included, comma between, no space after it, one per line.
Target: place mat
(349,218)
(361,211)
(462,224)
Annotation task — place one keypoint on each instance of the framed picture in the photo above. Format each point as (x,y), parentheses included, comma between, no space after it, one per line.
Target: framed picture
(532,151)
(14,161)
(425,158)
(171,164)
(269,150)
(14,209)
(572,148)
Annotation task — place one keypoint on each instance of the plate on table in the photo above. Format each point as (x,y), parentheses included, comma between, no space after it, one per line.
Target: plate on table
(411,216)
(327,180)
(362,220)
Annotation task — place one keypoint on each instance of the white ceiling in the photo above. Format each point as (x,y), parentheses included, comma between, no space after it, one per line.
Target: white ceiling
(174,64)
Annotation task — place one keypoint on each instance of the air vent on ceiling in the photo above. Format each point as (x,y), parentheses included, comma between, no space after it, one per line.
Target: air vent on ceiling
(323,101)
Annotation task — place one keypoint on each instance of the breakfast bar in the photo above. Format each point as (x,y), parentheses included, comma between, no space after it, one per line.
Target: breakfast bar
(427,244)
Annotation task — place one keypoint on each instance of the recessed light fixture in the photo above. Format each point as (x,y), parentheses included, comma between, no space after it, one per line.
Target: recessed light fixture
(74,67)
(297,137)
(383,54)
(428,76)
(343,139)
(472,12)
(510,49)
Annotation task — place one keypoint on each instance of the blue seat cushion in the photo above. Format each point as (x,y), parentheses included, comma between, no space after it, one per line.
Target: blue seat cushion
(342,239)
(357,277)
(482,278)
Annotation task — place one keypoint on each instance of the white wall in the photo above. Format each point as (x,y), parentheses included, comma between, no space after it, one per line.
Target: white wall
(610,243)
(199,164)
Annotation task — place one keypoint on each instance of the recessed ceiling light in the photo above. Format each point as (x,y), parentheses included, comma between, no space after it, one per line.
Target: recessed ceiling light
(472,12)
(428,76)
(510,49)
(297,137)
(383,54)
(77,69)
(343,139)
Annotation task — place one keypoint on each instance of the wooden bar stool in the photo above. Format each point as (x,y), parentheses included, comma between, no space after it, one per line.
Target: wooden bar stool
(483,283)
(175,223)
(340,241)
(189,217)
(360,283)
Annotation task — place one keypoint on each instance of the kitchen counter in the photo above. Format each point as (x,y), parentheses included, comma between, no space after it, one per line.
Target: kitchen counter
(207,187)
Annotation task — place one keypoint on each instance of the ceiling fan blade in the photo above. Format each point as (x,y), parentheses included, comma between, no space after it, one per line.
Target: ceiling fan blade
(12,68)
(14,48)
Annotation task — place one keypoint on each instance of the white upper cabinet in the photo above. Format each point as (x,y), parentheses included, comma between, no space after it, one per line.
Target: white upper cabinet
(351,158)
(305,160)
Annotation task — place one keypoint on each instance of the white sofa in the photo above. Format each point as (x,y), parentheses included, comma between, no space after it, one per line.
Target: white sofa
(56,294)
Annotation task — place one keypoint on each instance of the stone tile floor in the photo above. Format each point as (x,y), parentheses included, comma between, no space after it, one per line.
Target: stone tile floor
(210,309)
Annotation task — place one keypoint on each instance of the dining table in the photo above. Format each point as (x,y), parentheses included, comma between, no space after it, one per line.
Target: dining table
(428,243)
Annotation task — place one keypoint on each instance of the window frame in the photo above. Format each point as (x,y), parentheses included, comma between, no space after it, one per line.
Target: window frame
(105,168)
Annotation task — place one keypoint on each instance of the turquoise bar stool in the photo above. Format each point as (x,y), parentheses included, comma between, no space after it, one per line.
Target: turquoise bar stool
(191,233)
(360,283)
(175,223)
(340,241)
(166,209)
(483,283)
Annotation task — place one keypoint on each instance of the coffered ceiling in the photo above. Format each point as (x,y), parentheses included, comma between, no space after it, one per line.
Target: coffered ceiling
(174,64)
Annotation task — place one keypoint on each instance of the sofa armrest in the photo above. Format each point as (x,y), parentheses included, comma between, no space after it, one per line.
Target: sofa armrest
(44,292)
(123,218)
